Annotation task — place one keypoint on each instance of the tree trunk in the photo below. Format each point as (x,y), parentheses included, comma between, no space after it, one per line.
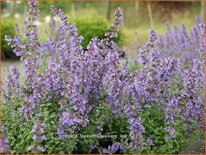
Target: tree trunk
(202,13)
(150,14)
(109,7)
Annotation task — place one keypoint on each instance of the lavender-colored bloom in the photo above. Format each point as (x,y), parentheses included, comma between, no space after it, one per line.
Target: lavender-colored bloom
(38,149)
(136,131)
(119,20)
(128,110)
(170,112)
(59,13)
(66,119)
(171,132)
(4,145)
(39,137)
(152,36)
(12,81)
(92,147)
(113,148)
(31,32)
(18,47)
(61,133)
(180,42)
(143,57)
(4,148)
(149,142)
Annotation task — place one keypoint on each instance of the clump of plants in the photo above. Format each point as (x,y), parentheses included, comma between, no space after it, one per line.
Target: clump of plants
(88,101)
(178,42)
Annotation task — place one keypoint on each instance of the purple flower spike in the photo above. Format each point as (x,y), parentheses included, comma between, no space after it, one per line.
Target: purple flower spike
(39,137)
(4,148)
(119,20)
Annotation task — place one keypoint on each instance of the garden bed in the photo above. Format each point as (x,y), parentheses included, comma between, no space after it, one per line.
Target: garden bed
(74,98)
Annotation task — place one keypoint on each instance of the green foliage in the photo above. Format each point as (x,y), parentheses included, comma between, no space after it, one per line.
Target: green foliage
(4,5)
(154,123)
(112,126)
(89,28)
(50,117)
(19,132)
(7,28)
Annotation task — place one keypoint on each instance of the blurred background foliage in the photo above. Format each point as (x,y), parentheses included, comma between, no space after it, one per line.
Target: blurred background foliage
(93,17)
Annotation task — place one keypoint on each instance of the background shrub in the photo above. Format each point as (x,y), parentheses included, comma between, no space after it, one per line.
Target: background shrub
(7,28)
(89,28)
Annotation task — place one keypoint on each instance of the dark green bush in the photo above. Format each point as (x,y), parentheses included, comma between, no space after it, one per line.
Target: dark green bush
(89,28)
(7,28)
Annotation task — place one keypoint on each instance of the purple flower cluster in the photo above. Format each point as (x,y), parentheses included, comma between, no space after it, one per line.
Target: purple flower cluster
(136,131)
(186,45)
(12,83)
(4,148)
(113,148)
(171,110)
(118,22)
(149,142)
(38,138)
(17,45)
(193,80)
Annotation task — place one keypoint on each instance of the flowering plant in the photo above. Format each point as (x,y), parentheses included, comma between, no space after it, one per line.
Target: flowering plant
(88,101)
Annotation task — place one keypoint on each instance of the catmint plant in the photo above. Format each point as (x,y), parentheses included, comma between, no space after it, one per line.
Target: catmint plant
(81,91)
